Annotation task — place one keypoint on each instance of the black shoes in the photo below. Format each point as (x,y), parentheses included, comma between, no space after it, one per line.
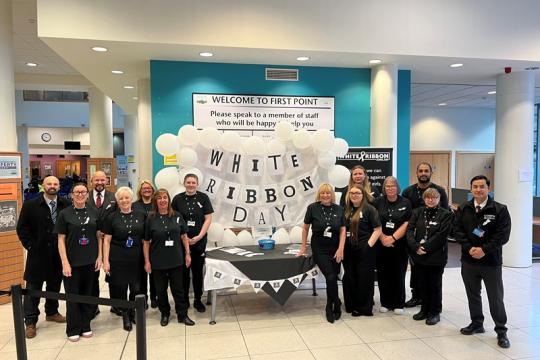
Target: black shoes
(337,310)
(472,329)
(330,314)
(116,311)
(126,321)
(420,316)
(433,319)
(413,302)
(199,306)
(357,313)
(153,303)
(164,320)
(186,320)
(502,341)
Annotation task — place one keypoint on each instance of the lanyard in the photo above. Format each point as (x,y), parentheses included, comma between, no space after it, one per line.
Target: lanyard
(391,208)
(128,223)
(429,216)
(82,216)
(327,216)
(191,203)
(165,220)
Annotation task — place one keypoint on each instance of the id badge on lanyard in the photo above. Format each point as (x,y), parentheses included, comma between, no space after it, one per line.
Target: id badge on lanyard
(83,241)
(129,242)
(169,242)
(327,232)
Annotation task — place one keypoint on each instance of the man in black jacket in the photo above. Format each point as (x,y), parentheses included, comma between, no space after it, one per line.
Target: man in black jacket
(482,227)
(43,264)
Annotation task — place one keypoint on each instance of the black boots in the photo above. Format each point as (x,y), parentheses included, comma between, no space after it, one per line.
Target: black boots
(337,310)
(126,320)
(330,313)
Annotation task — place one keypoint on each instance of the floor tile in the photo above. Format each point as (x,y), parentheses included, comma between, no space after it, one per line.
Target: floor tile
(273,340)
(327,335)
(42,354)
(412,349)
(215,345)
(375,329)
(173,348)
(461,347)
(523,344)
(296,355)
(360,351)
(87,351)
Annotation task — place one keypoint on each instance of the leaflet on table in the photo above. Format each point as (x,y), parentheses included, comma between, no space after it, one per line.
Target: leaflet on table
(240,252)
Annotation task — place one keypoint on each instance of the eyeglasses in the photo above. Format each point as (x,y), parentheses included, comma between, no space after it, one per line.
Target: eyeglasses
(80,192)
(147,189)
(354,193)
(390,187)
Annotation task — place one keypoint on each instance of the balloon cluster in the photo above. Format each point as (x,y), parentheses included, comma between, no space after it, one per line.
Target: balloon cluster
(226,237)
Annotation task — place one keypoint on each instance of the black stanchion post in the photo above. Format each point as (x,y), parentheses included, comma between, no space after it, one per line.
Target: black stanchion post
(140,307)
(18,320)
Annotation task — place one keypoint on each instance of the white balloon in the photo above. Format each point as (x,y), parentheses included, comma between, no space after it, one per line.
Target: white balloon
(167,177)
(284,130)
(244,238)
(231,141)
(323,140)
(281,236)
(215,232)
(302,139)
(229,238)
(296,234)
(340,148)
(187,157)
(189,170)
(210,137)
(339,175)
(254,145)
(175,190)
(276,147)
(326,159)
(188,135)
(167,144)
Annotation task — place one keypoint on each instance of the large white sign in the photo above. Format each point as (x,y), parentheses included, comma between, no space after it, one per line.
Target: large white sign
(260,113)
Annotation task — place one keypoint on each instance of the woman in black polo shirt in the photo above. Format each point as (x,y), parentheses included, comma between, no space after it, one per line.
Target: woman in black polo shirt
(394,212)
(122,251)
(165,244)
(80,252)
(359,177)
(363,231)
(327,243)
(196,210)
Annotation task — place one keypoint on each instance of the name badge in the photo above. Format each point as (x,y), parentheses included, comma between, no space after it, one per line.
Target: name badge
(478,232)
(361,215)
(83,241)
(169,242)
(390,225)
(200,205)
(191,223)
(348,234)
(129,242)
(432,223)
(327,232)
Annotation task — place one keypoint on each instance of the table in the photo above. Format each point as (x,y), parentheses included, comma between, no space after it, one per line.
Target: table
(273,271)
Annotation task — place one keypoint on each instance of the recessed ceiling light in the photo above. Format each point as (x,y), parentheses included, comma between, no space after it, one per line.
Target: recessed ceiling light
(206,54)
(302,58)
(31,64)
(375,61)
(129,87)
(442,104)
(492,92)
(135,98)
(117,72)
(456,65)
(100,49)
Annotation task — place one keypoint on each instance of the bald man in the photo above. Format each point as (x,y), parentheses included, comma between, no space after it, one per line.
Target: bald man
(43,265)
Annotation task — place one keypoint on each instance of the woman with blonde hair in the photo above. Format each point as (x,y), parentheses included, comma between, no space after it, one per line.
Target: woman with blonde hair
(359,177)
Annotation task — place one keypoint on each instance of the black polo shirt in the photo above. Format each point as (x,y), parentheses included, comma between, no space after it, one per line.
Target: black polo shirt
(320,217)
(123,226)
(414,193)
(163,232)
(395,213)
(193,209)
(369,220)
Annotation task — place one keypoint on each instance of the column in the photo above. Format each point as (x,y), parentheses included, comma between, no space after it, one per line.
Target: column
(384,102)
(8,122)
(130,141)
(514,161)
(144,130)
(22,139)
(100,124)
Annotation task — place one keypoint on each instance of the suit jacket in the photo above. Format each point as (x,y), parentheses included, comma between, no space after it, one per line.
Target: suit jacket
(35,231)
(108,203)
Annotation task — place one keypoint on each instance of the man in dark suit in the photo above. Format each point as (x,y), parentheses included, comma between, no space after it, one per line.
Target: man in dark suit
(43,264)
(105,202)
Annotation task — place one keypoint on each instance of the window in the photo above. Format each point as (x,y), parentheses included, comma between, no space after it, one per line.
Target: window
(56,96)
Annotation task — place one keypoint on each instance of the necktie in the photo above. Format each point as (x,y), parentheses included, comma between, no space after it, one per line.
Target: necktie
(98,200)
(53,211)
(478,208)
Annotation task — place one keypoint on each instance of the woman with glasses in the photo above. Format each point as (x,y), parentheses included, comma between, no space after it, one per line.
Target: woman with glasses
(122,251)
(327,243)
(80,252)
(359,177)
(166,252)
(145,194)
(394,212)
(426,236)
(363,231)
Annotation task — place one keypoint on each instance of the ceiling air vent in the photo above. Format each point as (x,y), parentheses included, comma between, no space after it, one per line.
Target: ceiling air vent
(282,74)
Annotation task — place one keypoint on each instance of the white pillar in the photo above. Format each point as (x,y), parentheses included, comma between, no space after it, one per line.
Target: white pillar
(22,140)
(100,124)
(144,130)
(384,85)
(7,79)
(514,160)
(130,146)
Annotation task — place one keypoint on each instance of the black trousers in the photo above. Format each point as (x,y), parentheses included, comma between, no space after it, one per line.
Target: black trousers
(145,277)
(391,270)
(196,270)
(31,304)
(359,277)
(324,259)
(492,276)
(78,316)
(175,278)
(120,291)
(430,286)
(413,282)
(95,288)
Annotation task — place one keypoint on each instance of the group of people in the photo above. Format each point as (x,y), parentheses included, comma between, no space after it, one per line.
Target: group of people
(379,235)
(156,238)
(159,241)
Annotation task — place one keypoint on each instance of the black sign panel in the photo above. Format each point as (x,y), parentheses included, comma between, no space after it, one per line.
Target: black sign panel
(376,161)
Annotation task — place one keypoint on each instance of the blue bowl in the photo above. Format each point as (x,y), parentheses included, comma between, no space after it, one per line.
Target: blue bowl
(267,244)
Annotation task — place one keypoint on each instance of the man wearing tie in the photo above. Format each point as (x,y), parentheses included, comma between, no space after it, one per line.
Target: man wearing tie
(43,264)
(105,202)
